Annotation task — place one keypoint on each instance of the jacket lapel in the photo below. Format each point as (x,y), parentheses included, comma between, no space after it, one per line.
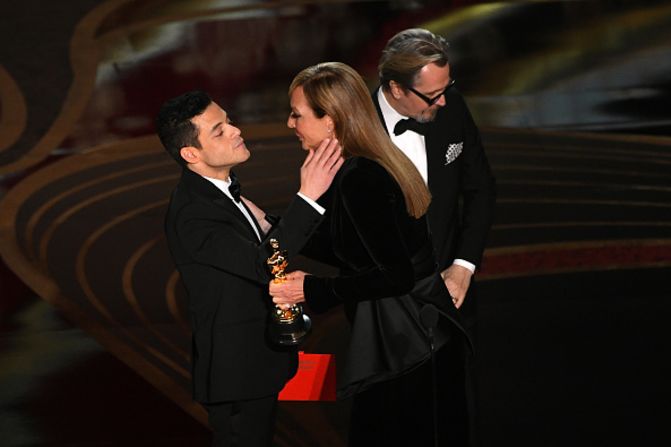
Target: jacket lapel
(256,223)
(432,161)
(379,111)
(206,189)
(228,205)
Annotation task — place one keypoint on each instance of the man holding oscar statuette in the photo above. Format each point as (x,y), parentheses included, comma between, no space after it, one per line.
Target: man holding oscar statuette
(220,243)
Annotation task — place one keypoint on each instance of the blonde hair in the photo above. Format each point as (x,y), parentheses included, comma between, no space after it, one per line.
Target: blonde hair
(337,90)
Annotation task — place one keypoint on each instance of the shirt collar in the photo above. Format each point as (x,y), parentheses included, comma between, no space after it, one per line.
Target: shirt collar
(221,185)
(391,116)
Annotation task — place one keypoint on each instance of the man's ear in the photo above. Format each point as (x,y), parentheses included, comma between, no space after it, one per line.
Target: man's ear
(190,154)
(396,90)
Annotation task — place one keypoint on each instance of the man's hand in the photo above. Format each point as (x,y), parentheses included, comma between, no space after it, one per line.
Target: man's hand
(289,292)
(457,279)
(258,213)
(319,168)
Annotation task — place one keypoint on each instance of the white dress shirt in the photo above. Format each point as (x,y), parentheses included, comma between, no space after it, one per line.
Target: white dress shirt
(409,142)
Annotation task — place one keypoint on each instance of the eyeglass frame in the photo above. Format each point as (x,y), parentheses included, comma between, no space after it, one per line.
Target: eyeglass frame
(432,101)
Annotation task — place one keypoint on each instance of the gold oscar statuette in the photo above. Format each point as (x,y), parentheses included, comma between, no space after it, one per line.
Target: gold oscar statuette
(288,327)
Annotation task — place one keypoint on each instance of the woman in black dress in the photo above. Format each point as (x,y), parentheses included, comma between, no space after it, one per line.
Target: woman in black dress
(376,233)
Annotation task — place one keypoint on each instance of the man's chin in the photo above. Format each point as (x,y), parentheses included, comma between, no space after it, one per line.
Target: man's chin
(427,116)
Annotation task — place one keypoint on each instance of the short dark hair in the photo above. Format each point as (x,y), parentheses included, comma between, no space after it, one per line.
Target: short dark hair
(407,52)
(173,122)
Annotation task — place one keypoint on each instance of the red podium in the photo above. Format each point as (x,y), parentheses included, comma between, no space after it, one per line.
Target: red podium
(315,379)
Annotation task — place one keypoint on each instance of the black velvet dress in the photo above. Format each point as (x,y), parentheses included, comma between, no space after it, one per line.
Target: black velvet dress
(388,277)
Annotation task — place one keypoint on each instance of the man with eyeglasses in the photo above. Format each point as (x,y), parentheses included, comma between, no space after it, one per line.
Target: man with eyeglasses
(427,118)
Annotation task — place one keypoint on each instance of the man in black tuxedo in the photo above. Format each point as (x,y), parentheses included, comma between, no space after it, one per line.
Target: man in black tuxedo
(427,118)
(219,243)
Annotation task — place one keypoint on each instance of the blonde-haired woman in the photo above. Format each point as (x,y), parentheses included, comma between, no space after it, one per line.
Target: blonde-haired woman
(376,233)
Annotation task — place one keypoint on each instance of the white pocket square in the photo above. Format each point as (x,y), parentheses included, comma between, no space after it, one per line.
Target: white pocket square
(453,151)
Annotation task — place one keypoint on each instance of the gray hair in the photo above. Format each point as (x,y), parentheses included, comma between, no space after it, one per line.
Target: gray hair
(407,52)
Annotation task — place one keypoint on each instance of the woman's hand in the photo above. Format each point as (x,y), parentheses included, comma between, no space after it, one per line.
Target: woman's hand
(320,167)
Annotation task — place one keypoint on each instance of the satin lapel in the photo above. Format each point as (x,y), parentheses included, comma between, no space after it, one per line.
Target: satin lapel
(205,189)
(228,205)
(434,159)
(256,222)
(379,111)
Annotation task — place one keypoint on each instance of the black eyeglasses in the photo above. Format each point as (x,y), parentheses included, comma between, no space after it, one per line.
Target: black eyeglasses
(432,101)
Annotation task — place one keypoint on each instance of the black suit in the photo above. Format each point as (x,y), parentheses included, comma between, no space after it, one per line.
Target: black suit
(463,196)
(463,191)
(222,265)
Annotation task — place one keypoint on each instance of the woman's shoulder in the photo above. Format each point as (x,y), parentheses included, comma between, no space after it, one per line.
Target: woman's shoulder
(362,172)
(362,167)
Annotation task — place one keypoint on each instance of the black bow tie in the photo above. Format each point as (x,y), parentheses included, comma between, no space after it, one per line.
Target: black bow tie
(410,124)
(234,187)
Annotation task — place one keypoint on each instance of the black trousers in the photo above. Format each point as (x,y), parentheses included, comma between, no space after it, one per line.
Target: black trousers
(246,423)
(400,412)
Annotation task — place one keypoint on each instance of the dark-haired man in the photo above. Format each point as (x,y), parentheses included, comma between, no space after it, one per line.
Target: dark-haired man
(220,250)
(427,118)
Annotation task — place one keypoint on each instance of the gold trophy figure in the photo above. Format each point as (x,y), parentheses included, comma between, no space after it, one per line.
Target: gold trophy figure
(288,327)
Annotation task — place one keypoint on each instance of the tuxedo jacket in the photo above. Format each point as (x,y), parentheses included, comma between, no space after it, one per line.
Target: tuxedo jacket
(223,267)
(463,189)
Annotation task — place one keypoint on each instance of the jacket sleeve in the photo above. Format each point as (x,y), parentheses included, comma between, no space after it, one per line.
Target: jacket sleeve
(371,204)
(478,189)
(218,240)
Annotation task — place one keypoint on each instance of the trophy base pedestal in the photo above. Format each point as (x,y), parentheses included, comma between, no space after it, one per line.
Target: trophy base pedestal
(290,333)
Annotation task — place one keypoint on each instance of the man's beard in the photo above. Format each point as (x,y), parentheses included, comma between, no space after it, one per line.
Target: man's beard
(427,115)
